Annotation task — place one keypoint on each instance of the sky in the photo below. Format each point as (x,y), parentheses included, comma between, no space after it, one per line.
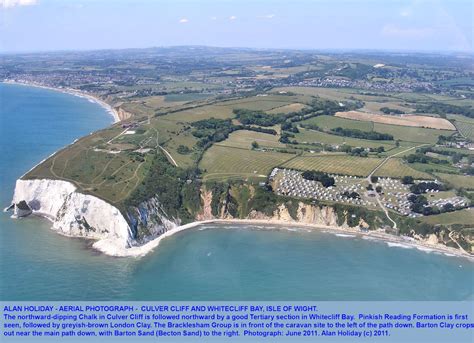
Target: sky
(406,25)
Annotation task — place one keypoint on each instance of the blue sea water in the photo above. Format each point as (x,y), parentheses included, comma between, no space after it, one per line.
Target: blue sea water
(208,263)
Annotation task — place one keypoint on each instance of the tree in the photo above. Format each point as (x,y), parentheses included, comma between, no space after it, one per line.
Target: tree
(408,180)
(324,178)
(370,187)
(448,207)
(255,145)
(374,179)
(183,150)
(378,189)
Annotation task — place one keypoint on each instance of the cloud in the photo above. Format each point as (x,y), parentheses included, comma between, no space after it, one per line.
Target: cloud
(268,16)
(391,30)
(406,12)
(183,21)
(232,17)
(14,3)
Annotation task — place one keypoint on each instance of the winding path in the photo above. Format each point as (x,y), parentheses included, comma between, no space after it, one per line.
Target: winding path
(369,179)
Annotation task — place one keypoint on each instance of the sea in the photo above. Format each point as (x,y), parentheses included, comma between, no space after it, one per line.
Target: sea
(211,262)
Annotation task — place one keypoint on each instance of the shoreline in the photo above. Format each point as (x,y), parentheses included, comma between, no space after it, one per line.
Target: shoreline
(105,247)
(71,91)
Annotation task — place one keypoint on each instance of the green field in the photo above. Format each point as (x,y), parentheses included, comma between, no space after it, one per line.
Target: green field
(331,122)
(111,176)
(466,129)
(262,103)
(243,139)
(458,181)
(412,134)
(465,217)
(223,162)
(336,164)
(295,107)
(312,136)
(200,113)
(396,168)
(433,168)
(186,97)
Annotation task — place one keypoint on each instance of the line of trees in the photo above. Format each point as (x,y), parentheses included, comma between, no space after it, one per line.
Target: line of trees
(442,109)
(419,204)
(354,133)
(325,179)
(422,187)
(388,110)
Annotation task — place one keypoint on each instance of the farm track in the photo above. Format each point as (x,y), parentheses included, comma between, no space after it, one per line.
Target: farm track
(369,179)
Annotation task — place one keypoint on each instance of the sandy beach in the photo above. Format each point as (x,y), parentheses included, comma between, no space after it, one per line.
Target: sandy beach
(74,92)
(109,248)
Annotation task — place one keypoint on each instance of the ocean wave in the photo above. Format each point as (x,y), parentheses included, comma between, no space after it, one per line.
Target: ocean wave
(428,250)
(399,245)
(345,235)
(368,238)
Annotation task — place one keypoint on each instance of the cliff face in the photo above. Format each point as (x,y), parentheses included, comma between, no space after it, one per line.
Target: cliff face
(118,232)
(149,220)
(83,215)
(73,213)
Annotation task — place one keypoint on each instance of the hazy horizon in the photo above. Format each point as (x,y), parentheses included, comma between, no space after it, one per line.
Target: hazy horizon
(340,25)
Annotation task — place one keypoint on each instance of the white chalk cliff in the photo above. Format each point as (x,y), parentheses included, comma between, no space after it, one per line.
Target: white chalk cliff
(73,213)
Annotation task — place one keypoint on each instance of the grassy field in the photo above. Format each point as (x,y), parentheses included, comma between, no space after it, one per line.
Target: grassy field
(396,168)
(431,168)
(336,94)
(223,162)
(158,101)
(243,139)
(412,134)
(199,113)
(331,122)
(465,217)
(262,103)
(187,97)
(295,107)
(109,176)
(311,136)
(374,107)
(173,134)
(337,164)
(466,129)
(458,181)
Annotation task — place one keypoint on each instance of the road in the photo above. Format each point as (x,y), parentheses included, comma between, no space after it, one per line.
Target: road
(369,179)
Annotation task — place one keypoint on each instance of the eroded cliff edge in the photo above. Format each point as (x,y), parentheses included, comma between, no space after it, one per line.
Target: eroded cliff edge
(82,215)
(135,230)
(75,214)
